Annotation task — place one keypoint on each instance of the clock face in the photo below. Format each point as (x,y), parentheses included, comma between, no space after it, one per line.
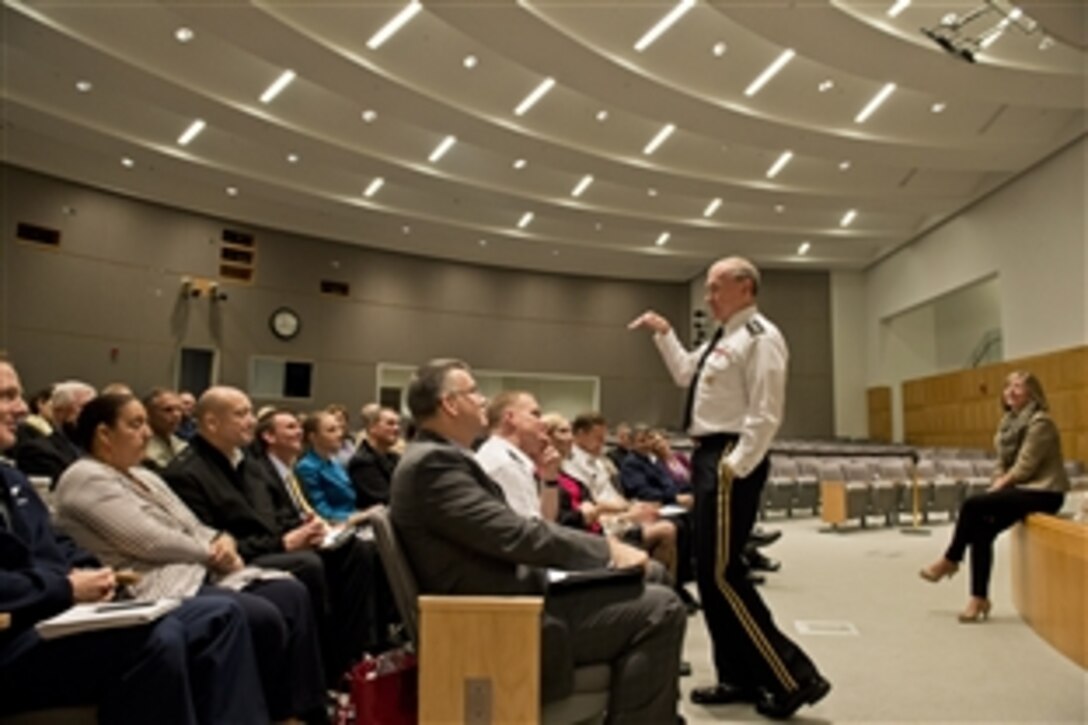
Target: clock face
(285,323)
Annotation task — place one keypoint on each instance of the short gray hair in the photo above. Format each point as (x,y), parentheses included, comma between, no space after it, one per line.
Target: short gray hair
(428,385)
(66,394)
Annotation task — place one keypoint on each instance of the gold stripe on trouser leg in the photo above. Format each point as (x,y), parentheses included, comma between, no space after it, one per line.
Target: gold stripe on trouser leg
(725,482)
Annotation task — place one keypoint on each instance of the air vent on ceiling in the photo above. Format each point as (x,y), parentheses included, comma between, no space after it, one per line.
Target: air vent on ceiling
(37,235)
(339,289)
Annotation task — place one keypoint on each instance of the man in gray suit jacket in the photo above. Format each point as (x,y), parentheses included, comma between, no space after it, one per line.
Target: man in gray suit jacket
(461,537)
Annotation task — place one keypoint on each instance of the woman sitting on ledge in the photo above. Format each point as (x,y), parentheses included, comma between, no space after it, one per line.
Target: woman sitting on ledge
(1030,478)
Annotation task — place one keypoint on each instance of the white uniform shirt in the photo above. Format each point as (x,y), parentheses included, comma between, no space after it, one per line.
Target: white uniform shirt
(742,387)
(515,473)
(592,471)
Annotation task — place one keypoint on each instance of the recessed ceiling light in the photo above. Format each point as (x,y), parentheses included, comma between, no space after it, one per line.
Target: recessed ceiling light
(662,239)
(184,35)
(651,191)
(373,187)
(441,149)
(406,229)
(127,162)
(663,24)
(779,208)
(483,242)
(848,218)
(845,165)
(555,252)
(537,93)
(232,191)
(192,132)
(370,115)
(520,164)
(779,164)
(84,86)
(712,207)
(897,7)
(770,72)
(386,31)
(526,220)
(1046,43)
(938,107)
(470,61)
(719,49)
(803,249)
(602,115)
(659,138)
(875,103)
(277,86)
(292,158)
(598,226)
(582,185)
(826,85)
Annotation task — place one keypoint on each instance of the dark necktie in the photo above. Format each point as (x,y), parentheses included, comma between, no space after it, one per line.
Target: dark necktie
(689,404)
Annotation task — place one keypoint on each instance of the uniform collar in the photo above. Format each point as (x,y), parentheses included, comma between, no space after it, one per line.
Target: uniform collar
(740,319)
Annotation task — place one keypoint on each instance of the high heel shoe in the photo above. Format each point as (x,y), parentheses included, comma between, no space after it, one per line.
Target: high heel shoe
(939,570)
(978,610)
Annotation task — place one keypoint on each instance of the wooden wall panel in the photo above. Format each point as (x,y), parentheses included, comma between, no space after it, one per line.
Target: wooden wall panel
(880,413)
(962,409)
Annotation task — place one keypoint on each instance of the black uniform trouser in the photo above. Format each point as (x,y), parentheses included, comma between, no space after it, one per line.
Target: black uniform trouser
(983,517)
(749,651)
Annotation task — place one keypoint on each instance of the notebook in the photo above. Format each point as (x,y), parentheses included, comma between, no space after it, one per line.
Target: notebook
(105,615)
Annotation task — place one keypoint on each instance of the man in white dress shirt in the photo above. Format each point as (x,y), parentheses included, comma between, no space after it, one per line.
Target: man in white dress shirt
(519,456)
(736,396)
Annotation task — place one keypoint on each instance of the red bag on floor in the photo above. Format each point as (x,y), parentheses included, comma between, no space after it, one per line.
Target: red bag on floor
(383,690)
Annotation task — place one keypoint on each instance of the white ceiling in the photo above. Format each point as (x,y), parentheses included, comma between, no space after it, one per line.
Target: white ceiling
(909,167)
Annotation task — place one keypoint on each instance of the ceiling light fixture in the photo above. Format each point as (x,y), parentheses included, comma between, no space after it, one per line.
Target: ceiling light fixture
(938,107)
(483,242)
(582,186)
(370,116)
(826,85)
(232,191)
(520,164)
(1046,43)
(192,132)
(441,149)
(663,239)
(952,34)
(470,61)
(602,115)
(845,165)
(659,139)
(875,103)
(406,229)
(719,49)
(386,31)
(292,158)
(277,86)
(848,218)
(184,35)
(526,220)
(127,162)
(898,7)
(770,72)
(536,95)
(803,249)
(651,191)
(780,164)
(779,208)
(712,207)
(373,187)
(84,86)
(664,24)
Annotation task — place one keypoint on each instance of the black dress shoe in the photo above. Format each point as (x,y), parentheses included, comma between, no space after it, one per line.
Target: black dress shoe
(761,537)
(691,604)
(782,707)
(756,578)
(761,563)
(723,694)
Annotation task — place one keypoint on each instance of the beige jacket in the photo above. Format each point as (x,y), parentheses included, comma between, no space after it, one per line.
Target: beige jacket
(1039,464)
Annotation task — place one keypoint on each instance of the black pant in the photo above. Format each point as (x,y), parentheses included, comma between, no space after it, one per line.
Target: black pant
(749,651)
(983,517)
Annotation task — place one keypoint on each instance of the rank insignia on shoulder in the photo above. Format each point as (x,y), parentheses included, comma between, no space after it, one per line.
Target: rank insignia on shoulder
(754,327)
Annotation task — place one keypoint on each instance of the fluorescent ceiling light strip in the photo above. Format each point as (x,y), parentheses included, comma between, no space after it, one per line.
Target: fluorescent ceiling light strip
(898,7)
(712,207)
(663,239)
(192,132)
(664,24)
(525,220)
(848,218)
(441,149)
(779,164)
(770,72)
(386,31)
(659,139)
(879,98)
(374,186)
(582,185)
(536,95)
(277,86)
(803,249)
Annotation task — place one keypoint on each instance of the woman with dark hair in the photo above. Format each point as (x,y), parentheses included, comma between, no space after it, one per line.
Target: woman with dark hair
(131,519)
(327,483)
(1030,477)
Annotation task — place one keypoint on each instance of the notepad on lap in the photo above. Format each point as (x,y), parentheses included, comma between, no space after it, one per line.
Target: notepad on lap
(107,615)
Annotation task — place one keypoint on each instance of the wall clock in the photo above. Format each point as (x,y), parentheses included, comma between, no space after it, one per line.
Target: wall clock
(285,323)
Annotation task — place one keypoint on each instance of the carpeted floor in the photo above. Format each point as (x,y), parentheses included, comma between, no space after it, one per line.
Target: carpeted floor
(910,659)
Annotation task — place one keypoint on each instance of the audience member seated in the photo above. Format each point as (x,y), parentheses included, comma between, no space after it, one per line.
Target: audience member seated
(643,479)
(194,665)
(163,416)
(187,427)
(325,481)
(676,465)
(1030,478)
(518,456)
(39,423)
(461,537)
(619,451)
(347,439)
(49,455)
(361,604)
(371,468)
(130,519)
